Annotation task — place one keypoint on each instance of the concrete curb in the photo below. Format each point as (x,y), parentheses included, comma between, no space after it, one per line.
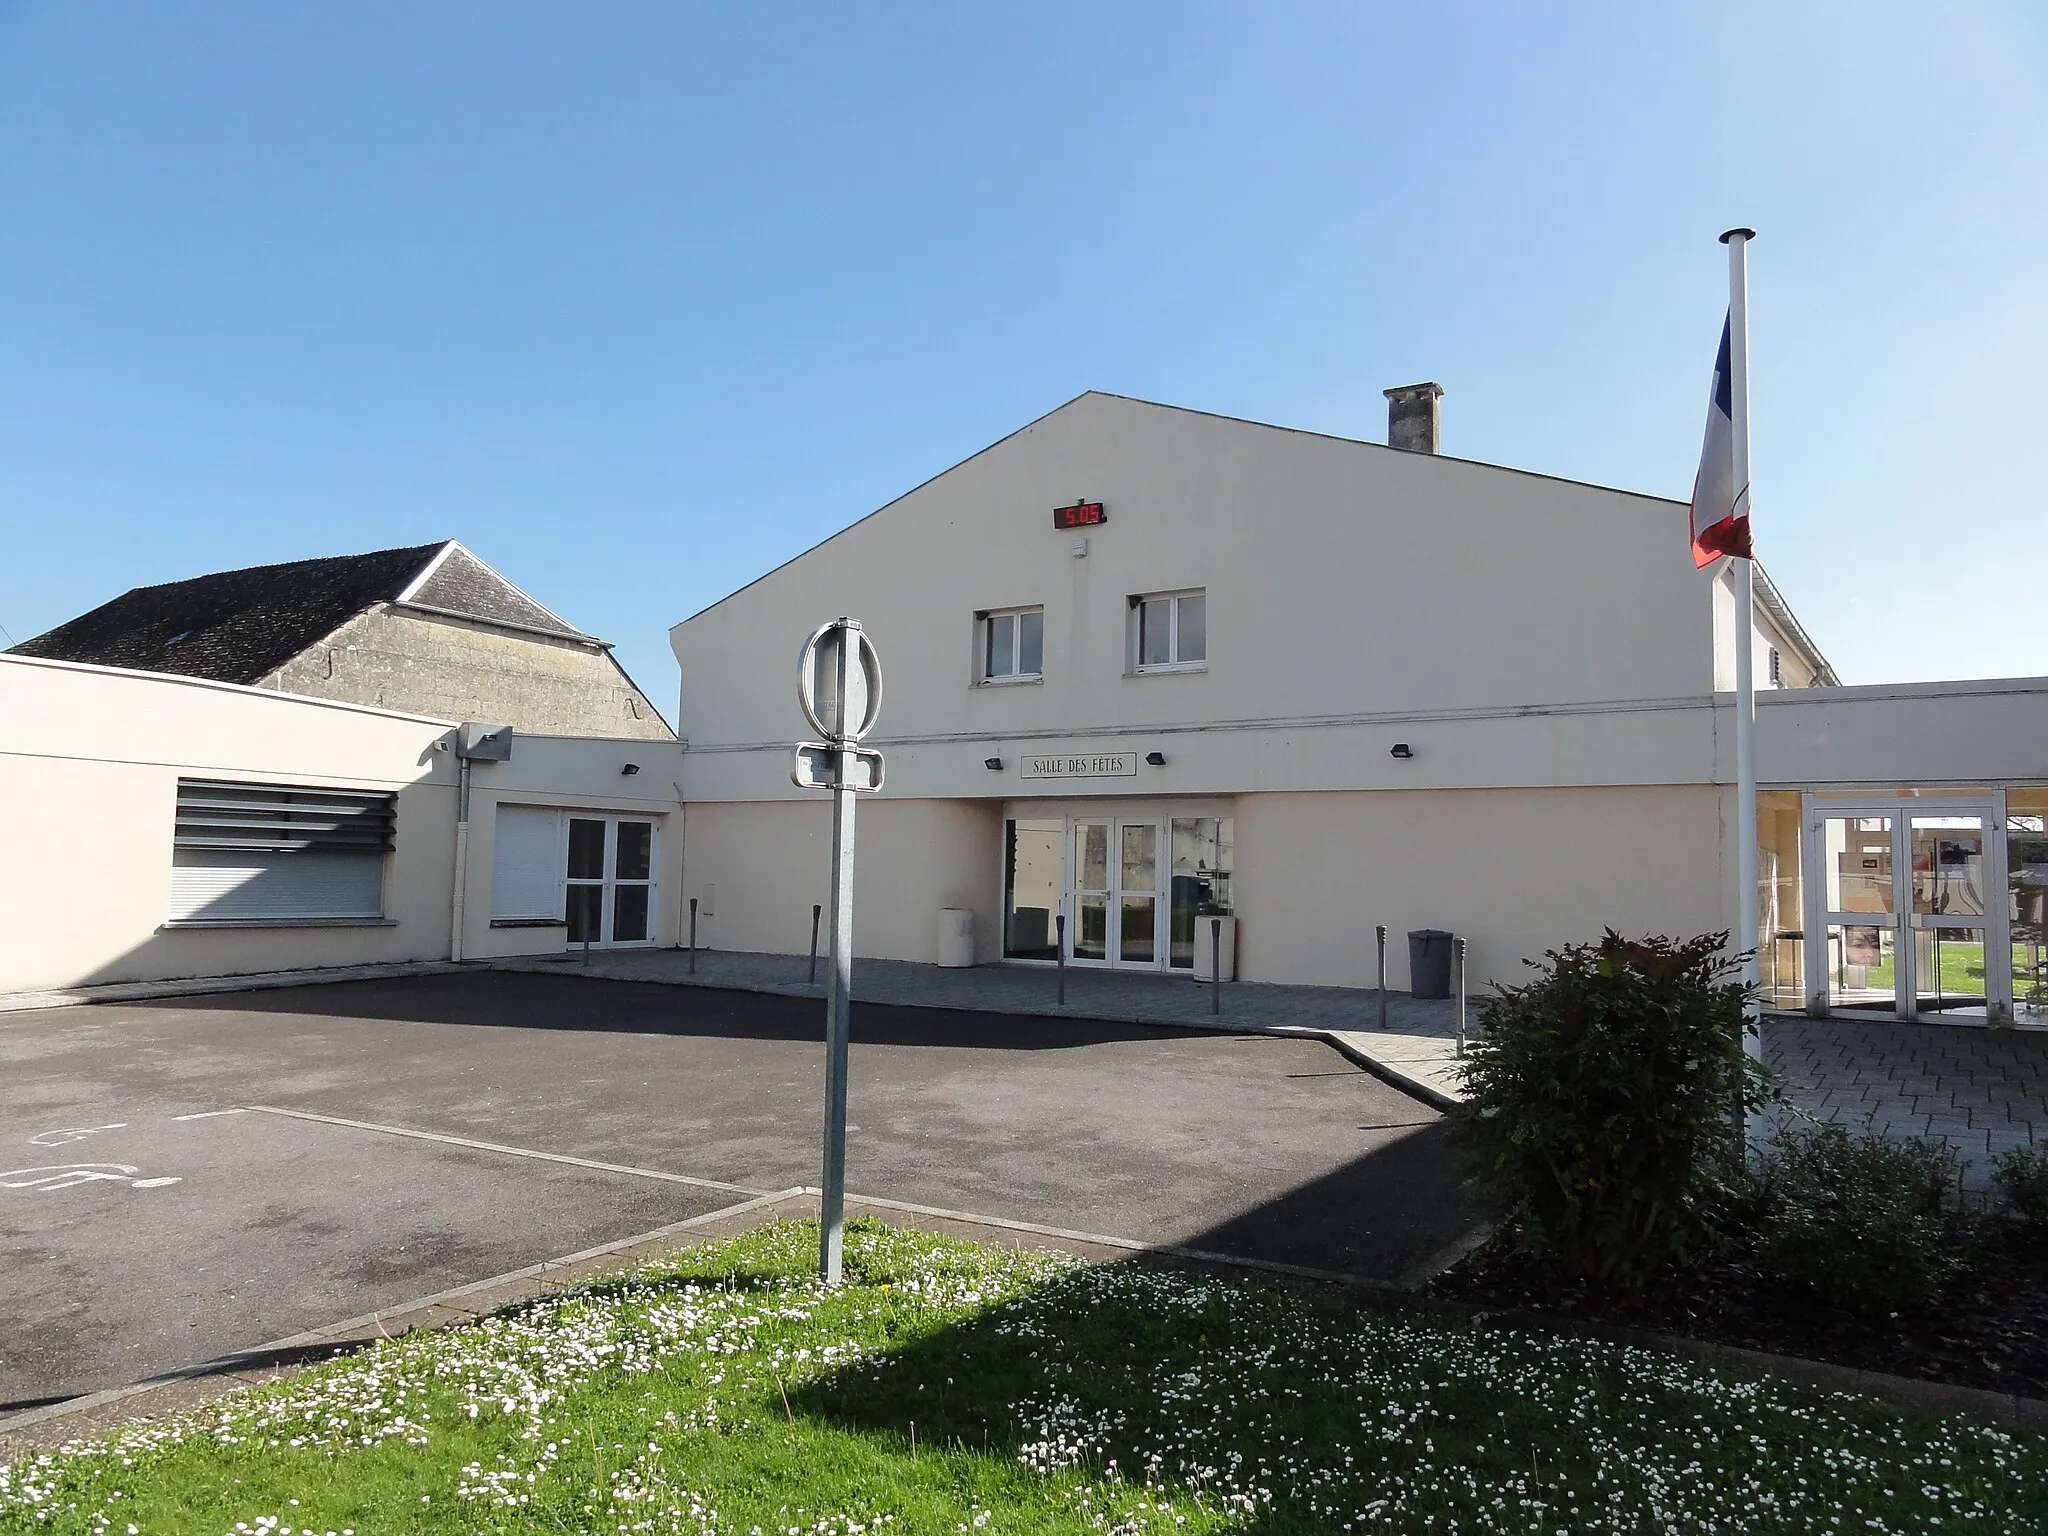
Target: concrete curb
(195,1386)
(387,1322)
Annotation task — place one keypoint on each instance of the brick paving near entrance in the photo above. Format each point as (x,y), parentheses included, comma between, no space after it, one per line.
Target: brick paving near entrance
(1418,1050)
(1984,1091)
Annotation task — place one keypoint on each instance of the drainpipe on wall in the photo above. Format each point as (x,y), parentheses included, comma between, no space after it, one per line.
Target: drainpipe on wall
(474,743)
(461,857)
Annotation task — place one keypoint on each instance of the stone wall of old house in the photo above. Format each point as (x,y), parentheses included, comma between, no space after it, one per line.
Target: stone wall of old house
(458,670)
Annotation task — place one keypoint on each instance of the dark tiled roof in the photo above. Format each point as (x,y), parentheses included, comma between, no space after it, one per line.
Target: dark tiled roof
(461,583)
(233,626)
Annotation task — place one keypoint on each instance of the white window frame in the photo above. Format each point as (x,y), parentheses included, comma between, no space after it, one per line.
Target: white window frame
(608,882)
(1136,635)
(984,630)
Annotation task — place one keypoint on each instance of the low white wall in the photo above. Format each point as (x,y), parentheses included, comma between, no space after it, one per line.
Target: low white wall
(89,763)
(1977,731)
(768,862)
(1515,872)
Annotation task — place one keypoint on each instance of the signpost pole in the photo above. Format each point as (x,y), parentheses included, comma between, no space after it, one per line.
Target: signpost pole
(839,984)
(843,767)
(838,1020)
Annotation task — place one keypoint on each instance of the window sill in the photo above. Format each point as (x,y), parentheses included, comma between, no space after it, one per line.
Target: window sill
(277,922)
(529,922)
(1012,682)
(1169,669)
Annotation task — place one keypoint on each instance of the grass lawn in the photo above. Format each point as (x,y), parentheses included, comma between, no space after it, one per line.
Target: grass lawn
(949,1387)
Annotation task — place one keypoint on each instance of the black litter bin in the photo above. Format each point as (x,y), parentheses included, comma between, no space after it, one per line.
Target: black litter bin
(1429,962)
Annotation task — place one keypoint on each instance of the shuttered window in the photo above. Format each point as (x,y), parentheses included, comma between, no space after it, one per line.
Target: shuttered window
(251,853)
(526,864)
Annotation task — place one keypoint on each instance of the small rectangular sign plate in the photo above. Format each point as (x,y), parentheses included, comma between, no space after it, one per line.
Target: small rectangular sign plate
(1079,765)
(811,767)
(1082,514)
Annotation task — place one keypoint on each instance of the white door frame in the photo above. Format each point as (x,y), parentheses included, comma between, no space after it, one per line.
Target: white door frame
(1816,811)
(608,881)
(1113,895)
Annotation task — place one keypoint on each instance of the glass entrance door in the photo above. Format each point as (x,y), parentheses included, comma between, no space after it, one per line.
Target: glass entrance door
(1118,896)
(1902,893)
(1950,919)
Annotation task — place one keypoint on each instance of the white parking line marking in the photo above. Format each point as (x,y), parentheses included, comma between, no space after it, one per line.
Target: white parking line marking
(57,1138)
(492,1146)
(208,1114)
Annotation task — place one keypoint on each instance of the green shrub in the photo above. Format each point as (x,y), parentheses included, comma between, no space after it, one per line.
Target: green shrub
(1605,1101)
(1867,1226)
(2020,1178)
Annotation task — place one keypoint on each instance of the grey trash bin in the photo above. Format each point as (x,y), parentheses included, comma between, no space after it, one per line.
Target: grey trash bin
(1429,962)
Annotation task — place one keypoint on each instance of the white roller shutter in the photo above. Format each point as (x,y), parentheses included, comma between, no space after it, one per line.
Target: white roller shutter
(252,853)
(526,863)
(215,885)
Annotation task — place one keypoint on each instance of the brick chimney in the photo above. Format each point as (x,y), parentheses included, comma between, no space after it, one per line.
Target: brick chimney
(1412,417)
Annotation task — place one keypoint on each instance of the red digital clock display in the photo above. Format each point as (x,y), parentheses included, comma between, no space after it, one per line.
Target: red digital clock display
(1082,514)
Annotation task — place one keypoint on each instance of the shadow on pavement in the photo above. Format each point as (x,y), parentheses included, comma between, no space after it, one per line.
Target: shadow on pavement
(523,1000)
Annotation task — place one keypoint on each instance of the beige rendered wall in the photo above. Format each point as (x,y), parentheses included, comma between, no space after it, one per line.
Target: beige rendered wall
(1357,596)
(768,862)
(1514,871)
(89,763)
(458,670)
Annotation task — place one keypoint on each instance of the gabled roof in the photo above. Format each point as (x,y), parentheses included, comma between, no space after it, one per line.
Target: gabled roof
(240,626)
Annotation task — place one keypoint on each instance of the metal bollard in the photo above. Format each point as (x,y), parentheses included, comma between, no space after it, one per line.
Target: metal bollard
(1215,965)
(586,949)
(1059,925)
(816,912)
(1459,956)
(693,935)
(1381,930)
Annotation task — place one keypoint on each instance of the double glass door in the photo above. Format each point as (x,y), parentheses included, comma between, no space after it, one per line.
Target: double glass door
(609,900)
(1119,894)
(1119,891)
(1911,913)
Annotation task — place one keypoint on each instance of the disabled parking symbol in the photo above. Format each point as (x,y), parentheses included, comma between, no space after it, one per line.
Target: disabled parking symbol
(58,1176)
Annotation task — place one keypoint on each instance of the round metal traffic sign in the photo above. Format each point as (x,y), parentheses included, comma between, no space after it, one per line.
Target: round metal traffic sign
(824,660)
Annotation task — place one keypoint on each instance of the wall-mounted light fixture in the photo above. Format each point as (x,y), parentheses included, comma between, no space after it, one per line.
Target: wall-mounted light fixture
(1401,749)
(1156,759)
(629,770)
(992,764)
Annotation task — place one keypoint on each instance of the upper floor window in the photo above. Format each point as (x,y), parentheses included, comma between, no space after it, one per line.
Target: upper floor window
(1012,645)
(1170,630)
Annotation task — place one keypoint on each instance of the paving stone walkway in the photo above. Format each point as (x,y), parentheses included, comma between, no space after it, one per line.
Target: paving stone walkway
(1985,1091)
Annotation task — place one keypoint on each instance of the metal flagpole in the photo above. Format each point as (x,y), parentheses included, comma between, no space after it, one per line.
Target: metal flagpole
(839,981)
(1745,935)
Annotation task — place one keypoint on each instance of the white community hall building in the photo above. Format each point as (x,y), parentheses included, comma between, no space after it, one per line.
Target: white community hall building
(1144,666)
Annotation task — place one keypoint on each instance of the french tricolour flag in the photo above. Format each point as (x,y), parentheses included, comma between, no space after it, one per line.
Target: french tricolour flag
(1720,509)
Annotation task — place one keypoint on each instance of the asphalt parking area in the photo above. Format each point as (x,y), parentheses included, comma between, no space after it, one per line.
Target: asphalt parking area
(165,1197)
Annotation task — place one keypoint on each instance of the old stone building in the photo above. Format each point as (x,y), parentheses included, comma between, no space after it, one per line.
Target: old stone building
(429,630)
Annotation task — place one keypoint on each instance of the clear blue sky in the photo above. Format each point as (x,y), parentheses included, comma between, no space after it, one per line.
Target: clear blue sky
(640,300)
